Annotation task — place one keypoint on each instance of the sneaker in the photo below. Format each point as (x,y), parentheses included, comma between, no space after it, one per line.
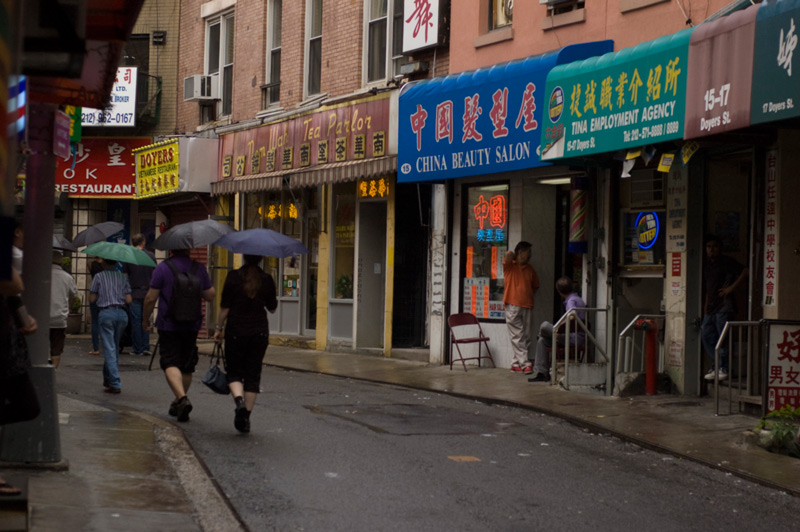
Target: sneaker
(110,389)
(723,374)
(540,377)
(242,419)
(173,408)
(516,368)
(710,375)
(527,370)
(182,409)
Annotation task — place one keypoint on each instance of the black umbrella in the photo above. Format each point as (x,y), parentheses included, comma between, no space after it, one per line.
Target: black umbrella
(192,235)
(96,233)
(61,243)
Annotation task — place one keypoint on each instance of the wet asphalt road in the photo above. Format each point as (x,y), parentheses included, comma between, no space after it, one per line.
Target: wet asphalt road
(333,454)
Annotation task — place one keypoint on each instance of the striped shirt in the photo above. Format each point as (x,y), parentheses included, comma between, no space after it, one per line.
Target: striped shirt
(111,286)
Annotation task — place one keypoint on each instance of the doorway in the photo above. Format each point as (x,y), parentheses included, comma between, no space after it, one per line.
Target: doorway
(371,275)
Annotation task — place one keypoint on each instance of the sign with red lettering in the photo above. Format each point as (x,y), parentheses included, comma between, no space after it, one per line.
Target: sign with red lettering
(336,134)
(420,24)
(783,365)
(99,168)
(676,264)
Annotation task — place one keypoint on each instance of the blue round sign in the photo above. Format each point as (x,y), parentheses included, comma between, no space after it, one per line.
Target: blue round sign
(556,104)
(647,229)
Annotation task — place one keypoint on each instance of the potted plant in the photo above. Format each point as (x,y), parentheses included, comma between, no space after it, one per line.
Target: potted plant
(75,316)
(779,431)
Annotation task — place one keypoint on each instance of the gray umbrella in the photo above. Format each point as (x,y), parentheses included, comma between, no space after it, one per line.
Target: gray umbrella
(61,243)
(192,235)
(96,233)
(264,242)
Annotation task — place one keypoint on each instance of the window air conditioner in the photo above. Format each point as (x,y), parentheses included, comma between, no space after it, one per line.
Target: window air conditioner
(199,87)
(647,188)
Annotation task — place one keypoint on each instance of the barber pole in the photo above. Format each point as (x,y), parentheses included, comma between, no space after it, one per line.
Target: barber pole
(578,205)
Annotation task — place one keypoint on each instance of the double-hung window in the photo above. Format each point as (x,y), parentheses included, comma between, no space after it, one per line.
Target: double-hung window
(500,13)
(219,58)
(313,47)
(273,86)
(384,50)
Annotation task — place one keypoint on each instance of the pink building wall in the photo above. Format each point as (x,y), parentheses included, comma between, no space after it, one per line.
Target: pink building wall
(642,20)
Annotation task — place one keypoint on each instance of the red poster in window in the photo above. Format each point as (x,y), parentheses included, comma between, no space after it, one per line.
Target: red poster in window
(474,300)
(494,262)
(468,272)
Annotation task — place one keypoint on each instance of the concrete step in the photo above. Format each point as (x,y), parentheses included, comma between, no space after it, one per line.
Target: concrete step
(14,509)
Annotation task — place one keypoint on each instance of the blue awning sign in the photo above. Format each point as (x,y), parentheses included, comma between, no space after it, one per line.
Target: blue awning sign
(479,122)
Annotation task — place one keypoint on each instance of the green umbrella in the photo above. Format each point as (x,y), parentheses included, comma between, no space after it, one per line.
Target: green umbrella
(120,252)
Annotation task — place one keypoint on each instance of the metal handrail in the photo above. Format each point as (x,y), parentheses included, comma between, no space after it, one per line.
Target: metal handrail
(625,353)
(566,321)
(742,326)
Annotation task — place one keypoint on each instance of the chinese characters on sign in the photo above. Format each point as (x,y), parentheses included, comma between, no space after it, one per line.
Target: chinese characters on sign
(122,111)
(771,230)
(273,211)
(420,24)
(103,168)
(480,122)
(339,134)
(486,244)
(491,217)
(783,369)
(157,169)
(638,99)
(373,188)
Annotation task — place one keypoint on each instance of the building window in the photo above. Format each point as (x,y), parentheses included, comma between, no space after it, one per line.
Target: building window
(485,242)
(344,238)
(219,57)
(558,7)
(500,13)
(273,86)
(384,39)
(313,46)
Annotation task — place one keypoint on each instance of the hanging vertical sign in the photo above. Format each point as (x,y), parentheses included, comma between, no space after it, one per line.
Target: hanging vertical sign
(420,24)
(783,365)
(771,230)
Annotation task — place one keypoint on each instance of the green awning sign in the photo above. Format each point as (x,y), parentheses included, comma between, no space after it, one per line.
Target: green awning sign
(617,101)
(774,86)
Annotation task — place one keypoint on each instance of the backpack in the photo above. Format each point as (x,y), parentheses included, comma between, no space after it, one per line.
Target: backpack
(184,304)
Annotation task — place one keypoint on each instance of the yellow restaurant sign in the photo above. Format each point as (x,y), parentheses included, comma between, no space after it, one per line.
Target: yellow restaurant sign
(157,169)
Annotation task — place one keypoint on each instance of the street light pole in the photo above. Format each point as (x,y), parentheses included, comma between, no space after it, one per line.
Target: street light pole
(38,441)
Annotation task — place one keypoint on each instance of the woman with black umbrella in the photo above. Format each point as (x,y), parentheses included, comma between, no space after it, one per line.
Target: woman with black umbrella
(248,293)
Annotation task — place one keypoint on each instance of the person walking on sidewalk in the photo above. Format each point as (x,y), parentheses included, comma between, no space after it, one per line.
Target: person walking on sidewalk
(541,362)
(62,291)
(521,282)
(139,277)
(177,336)
(246,296)
(722,275)
(94,267)
(111,292)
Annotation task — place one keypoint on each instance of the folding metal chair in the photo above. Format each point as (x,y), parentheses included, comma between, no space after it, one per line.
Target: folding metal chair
(469,332)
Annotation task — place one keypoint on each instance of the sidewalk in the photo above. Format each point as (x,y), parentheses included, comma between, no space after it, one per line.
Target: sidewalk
(121,470)
(682,426)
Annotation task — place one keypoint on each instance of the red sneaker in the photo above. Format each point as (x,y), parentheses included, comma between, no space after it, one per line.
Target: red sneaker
(527,370)
(516,368)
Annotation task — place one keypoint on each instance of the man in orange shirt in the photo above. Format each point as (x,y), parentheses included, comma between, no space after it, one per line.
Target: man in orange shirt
(521,282)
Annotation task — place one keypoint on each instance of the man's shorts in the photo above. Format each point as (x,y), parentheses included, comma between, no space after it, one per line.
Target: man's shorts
(57,337)
(178,349)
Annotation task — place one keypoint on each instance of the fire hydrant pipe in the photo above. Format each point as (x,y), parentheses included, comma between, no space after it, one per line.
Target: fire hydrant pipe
(651,355)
